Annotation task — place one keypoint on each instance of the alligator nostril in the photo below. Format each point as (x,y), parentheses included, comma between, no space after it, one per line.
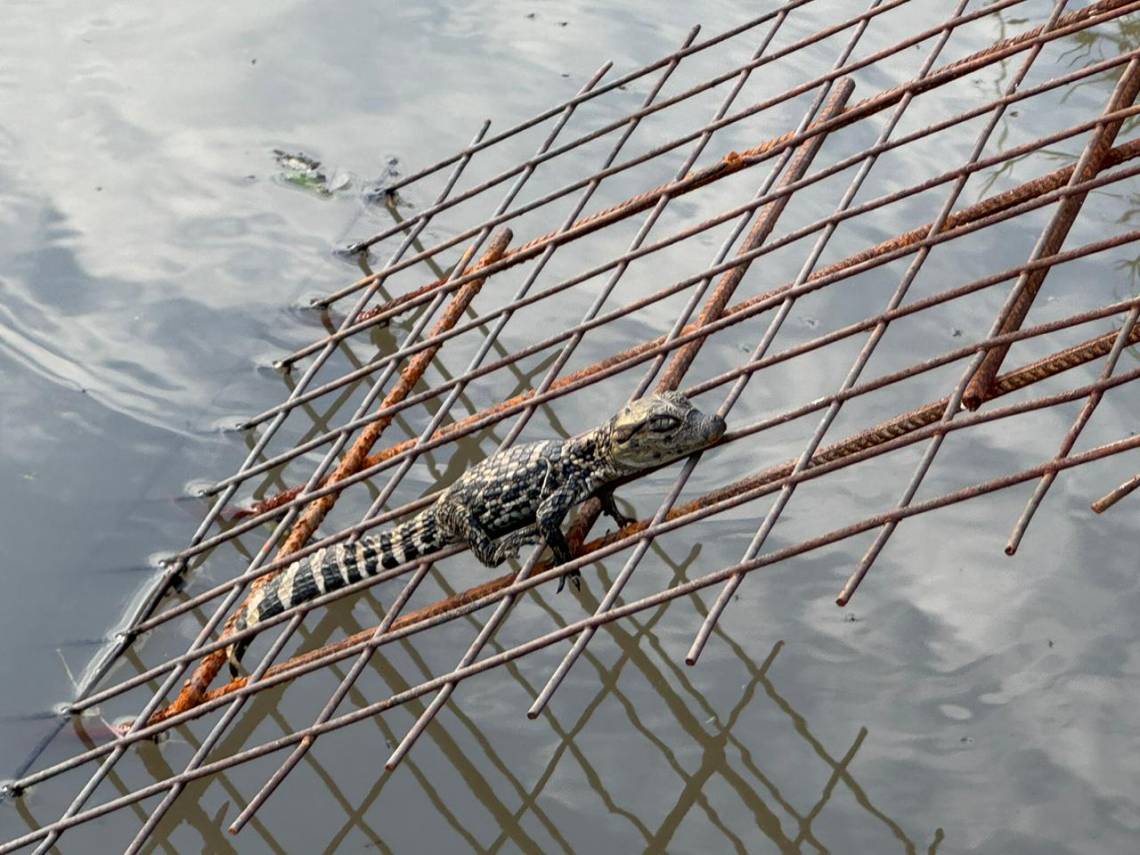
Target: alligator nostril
(718,427)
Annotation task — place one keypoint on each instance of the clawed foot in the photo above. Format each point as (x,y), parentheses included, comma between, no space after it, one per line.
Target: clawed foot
(575,576)
(611,510)
(622,520)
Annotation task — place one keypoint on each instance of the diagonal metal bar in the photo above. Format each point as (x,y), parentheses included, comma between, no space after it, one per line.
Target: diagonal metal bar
(1049,242)
(1090,163)
(1107,501)
(1072,434)
(869,347)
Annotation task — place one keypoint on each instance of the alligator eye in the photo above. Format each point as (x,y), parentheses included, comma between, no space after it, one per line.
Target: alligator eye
(660,424)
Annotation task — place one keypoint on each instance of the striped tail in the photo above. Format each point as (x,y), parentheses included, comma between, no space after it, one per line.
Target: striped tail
(332,569)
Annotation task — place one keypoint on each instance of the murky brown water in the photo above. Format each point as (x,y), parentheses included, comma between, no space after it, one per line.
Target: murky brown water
(151,266)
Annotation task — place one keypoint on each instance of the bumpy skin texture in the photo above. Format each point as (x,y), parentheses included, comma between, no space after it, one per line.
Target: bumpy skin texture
(516,497)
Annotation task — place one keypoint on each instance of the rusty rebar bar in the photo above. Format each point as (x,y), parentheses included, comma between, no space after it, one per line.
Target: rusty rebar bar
(1089,164)
(1104,503)
(1071,436)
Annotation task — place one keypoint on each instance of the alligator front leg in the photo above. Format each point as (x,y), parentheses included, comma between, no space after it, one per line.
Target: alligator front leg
(509,545)
(549,519)
(610,508)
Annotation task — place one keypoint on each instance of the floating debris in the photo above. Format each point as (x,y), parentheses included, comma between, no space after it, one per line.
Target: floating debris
(305,172)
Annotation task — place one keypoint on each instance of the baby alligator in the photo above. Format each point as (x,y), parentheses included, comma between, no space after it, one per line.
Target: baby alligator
(516,497)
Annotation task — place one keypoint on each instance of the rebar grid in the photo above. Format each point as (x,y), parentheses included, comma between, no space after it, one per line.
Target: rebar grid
(1065,361)
(886,252)
(1068,192)
(974,386)
(868,348)
(774,196)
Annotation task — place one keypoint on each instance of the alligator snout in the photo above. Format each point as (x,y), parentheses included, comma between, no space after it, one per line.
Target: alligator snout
(714,428)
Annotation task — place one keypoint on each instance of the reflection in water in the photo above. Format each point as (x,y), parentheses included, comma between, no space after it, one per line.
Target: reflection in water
(759,791)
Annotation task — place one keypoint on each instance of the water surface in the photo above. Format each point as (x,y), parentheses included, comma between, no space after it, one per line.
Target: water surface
(153,263)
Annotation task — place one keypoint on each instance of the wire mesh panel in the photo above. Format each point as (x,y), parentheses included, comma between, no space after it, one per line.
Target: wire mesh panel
(722,222)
